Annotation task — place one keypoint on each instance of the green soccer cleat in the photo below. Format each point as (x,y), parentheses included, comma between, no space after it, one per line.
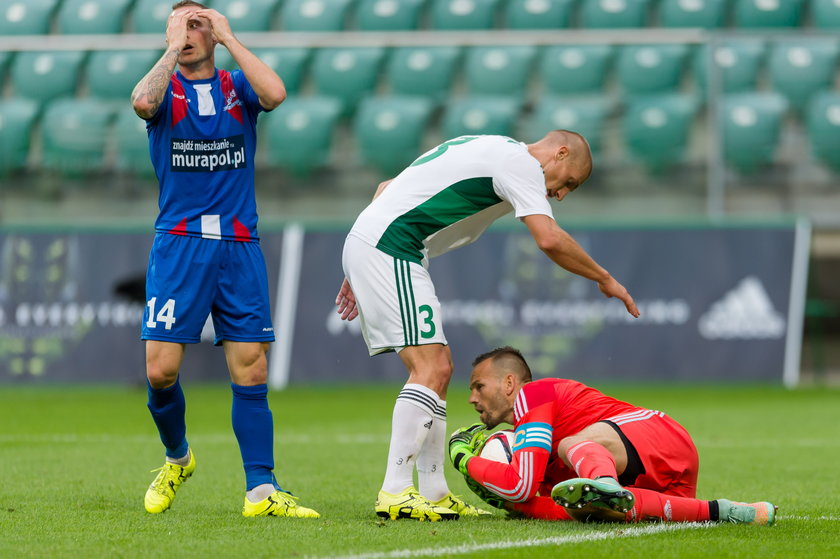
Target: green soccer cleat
(587,500)
(454,503)
(760,514)
(278,503)
(410,504)
(170,476)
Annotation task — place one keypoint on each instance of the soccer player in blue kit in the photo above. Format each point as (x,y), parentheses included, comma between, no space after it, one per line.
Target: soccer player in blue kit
(206,257)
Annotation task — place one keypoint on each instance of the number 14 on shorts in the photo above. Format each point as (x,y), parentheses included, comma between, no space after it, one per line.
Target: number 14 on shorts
(166,314)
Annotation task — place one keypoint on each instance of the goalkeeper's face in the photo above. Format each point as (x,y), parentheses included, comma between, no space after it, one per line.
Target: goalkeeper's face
(492,393)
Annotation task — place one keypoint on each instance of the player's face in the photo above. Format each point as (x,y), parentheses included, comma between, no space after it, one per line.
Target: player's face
(199,46)
(487,394)
(564,173)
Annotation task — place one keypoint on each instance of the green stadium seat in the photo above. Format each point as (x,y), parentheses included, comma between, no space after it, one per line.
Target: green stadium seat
(346,73)
(91,16)
(656,128)
(767,13)
(614,14)
(132,143)
(422,71)
(498,70)
(823,123)
(74,134)
(463,14)
(389,131)
(825,14)
(149,16)
(736,61)
(26,17)
(539,14)
(388,15)
(651,68)
(46,75)
(751,124)
(289,63)
(707,14)
(113,74)
(5,56)
(575,69)
(799,67)
(300,132)
(17,116)
(480,115)
(314,15)
(247,15)
(585,115)
(223,59)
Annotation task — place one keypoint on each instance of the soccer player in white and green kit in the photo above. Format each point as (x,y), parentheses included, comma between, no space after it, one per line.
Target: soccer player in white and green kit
(442,201)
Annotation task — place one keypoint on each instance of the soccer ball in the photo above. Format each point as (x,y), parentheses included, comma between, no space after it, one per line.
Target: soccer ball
(498,446)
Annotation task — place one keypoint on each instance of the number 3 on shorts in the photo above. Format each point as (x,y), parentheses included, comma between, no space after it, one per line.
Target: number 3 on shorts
(427,320)
(165,315)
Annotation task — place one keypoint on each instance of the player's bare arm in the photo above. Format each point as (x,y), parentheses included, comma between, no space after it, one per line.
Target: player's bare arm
(564,251)
(381,188)
(149,92)
(346,302)
(267,84)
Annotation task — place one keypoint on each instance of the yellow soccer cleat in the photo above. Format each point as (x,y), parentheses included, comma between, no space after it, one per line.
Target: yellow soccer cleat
(410,504)
(170,476)
(278,503)
(454,503)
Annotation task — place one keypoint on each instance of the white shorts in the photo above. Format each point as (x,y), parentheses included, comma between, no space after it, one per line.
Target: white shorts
(396,299)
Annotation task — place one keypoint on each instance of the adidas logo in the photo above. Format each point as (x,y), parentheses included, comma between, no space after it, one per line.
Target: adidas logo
(746,312)
(428,425)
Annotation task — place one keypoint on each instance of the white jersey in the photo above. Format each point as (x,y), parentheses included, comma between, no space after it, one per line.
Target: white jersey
(451,194)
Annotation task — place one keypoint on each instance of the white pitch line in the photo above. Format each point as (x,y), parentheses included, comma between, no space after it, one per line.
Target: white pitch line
(624,532)
(809,518)
(74,438)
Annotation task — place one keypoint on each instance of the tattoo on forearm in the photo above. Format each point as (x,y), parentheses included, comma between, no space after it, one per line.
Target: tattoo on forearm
(153,85)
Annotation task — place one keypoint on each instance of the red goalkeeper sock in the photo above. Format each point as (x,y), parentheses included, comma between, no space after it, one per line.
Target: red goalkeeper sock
(591,460)
(652,505)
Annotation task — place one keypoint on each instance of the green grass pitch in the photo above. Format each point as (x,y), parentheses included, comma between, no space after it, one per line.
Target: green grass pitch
(75,462)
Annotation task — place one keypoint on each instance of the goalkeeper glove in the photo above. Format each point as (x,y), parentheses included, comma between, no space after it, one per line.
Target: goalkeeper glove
(464,443)
(484,494)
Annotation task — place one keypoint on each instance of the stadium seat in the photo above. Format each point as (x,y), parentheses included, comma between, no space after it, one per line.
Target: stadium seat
(823,122)
(289,63)
(300,132)
(463,14)
(650,68)
(314,15)
(46,75)
(346,73)
(74,134)
(707,14)
(149,16)
(389,130)
(539,14)
(767,13)
(422,71)
(825,14)
(26,17)
(91,16)
(613,14)
(575,69)
(113,74)
(584,115)
(388,15)
(736,61)
(656,128)
(751,123)
(247,15)
(132,143)
(224,60)
(16,118)
(480,115)
(5,56)
(498,70)
(800,67)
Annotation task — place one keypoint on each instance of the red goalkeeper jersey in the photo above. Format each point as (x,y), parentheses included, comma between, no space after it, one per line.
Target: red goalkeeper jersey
(546,411)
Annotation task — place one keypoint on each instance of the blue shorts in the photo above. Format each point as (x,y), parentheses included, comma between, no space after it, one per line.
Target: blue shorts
(190,277)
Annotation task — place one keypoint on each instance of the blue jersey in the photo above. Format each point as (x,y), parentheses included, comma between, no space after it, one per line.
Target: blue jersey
(202,142)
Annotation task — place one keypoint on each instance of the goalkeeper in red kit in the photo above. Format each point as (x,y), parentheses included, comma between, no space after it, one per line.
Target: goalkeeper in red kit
(579,454)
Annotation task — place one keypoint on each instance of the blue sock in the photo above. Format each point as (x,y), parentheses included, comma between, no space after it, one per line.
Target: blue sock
(253,426)
(168,408)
